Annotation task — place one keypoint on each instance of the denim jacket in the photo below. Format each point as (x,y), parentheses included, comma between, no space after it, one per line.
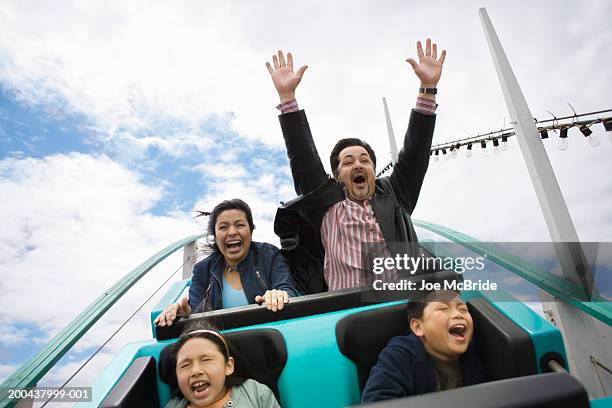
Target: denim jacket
(264,268)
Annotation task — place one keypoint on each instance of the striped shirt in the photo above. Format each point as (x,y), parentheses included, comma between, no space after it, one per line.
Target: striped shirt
(347,225)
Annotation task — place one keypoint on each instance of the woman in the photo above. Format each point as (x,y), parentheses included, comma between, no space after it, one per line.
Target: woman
(205,375)
(238,272)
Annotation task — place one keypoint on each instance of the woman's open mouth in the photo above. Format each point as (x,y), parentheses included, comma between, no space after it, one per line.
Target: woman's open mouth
(233,247)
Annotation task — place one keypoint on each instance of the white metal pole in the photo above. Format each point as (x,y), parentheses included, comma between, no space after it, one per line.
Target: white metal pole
(582,339)
(189,259)
(392,144)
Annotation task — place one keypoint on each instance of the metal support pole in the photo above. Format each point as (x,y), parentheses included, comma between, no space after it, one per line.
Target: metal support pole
(581,337)
(189,259)
(392,143)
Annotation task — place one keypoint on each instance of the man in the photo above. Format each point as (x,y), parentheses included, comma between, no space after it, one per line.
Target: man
(323,231)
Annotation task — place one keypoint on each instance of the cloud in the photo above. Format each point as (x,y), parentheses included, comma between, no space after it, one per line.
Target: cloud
(73,225)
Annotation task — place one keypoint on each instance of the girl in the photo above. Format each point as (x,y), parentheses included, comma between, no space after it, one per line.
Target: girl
(205,375)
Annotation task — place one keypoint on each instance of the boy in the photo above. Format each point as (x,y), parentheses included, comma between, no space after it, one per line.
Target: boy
(436,356)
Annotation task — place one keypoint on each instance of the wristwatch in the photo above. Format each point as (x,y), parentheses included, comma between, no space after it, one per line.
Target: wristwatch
(428,90)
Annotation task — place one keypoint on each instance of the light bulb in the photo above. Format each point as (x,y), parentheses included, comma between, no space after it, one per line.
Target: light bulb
(496,150)
(504,146)
(594,140)
(455,151)
(436,158)
(468,153)
(563,143)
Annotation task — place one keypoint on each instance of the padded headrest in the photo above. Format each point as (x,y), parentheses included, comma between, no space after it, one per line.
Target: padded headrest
(506,350)
(362,336)
(260,354)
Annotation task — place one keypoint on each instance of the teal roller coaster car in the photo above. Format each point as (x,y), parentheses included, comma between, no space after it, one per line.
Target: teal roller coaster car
(319,349)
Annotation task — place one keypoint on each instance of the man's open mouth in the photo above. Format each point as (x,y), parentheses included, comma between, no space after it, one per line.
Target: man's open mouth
(199,388)
(358,179)
(458,331)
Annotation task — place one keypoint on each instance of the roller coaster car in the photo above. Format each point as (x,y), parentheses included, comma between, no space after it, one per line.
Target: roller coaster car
(319,350)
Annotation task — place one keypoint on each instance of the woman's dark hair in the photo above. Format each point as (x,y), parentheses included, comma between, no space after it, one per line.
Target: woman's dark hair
(205,330)
(233,204)
(334,157)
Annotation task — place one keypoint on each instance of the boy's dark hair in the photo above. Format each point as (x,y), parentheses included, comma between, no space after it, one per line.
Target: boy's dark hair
(334,159)
(233,204)
(416,305)
(203,329)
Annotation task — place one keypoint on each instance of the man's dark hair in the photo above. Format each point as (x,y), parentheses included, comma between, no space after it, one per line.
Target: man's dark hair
(334,157)
(233,204)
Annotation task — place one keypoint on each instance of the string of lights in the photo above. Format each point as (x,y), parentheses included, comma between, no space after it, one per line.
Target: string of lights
(499,138)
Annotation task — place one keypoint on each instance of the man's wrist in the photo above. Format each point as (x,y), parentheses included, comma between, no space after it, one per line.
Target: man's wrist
(288,107)
(286,97)
(426,106)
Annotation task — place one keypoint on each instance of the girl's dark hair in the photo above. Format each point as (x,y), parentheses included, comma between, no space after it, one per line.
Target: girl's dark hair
(233,204)
(334,157)
(205,330)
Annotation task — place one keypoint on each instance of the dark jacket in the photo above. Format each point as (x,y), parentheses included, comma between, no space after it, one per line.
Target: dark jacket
(404,368)
(264,268)
(298,223)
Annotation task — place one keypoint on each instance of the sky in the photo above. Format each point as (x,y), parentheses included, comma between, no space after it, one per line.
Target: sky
(119,119)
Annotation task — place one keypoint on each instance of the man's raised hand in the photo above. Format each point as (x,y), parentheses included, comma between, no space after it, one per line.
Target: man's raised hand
(284,79)
(429,67)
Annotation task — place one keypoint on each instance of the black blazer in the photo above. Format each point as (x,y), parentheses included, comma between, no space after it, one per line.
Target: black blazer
(298,222)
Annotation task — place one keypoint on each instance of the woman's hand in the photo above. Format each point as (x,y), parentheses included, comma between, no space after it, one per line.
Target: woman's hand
(429,67)
(171,311)
(273,299)
(284,79)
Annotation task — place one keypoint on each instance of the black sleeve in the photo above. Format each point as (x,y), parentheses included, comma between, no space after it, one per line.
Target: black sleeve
(391,377)
(413,160)
(197,289)
(306,167)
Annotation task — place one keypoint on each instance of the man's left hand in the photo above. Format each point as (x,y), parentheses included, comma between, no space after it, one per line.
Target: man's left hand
(429,67)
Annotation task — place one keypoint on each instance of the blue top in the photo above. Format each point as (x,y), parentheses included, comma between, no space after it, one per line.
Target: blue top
(264,268)
(232,297)
(405,368)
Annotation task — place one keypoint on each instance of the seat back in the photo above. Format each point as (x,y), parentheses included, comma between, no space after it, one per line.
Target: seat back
(362,336)
(551,390)
(260,354)
(137,386)
(505,349)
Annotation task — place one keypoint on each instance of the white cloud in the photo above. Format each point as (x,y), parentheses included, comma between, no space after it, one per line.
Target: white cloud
(72,226)
(220,170)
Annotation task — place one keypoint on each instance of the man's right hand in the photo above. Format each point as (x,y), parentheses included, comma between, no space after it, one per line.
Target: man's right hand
(171,311)
(284,79)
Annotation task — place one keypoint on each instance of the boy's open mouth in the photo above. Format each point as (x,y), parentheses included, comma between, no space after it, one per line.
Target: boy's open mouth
(458,331)
(199,388)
